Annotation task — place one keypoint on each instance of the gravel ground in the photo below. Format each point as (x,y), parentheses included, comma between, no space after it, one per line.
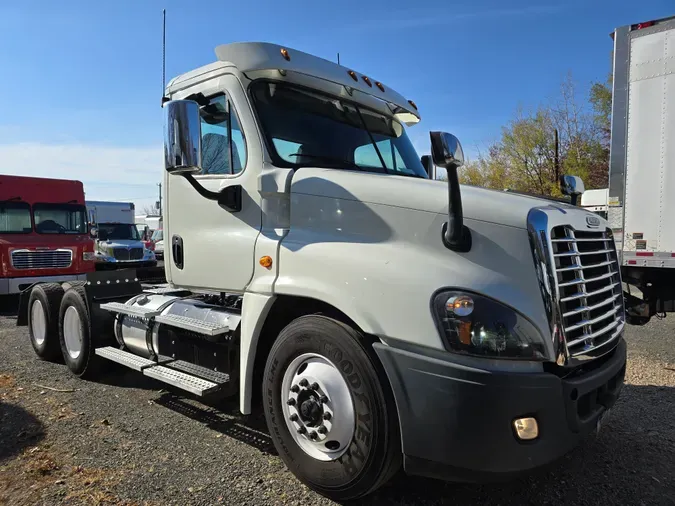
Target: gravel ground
(124,440)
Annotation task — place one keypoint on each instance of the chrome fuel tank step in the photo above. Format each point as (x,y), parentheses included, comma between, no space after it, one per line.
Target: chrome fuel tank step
(184,375)
(140,320)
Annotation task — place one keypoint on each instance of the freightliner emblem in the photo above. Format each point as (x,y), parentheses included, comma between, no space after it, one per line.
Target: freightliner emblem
(593,221)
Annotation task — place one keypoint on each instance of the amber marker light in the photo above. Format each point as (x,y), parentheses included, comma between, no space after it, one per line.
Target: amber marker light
(266,261)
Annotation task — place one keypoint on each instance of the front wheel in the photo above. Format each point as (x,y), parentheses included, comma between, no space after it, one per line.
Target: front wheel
(330,410)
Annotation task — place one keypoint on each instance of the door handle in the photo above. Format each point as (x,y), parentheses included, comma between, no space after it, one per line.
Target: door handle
(177,251)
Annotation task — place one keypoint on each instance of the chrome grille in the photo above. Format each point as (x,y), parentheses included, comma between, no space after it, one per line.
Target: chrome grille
(128,253)
(42,259)
(589,288)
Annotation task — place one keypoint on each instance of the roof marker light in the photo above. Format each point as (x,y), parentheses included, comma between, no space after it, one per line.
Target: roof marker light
(367,81)
(352,74)
(413,104)
(284,53)
(646,24)
(379,85)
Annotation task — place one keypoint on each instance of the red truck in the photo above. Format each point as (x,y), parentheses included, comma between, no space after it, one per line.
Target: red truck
(44,232)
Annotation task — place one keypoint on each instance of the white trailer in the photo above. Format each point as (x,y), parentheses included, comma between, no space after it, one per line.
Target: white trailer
(384,319)
(641,198)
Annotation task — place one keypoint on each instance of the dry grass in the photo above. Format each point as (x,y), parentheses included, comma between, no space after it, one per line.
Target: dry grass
(38,476)
(6,381)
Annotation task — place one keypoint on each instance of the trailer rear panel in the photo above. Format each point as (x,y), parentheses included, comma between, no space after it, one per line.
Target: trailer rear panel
(642,162)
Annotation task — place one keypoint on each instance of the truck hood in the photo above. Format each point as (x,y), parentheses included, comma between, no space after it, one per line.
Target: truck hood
(480,204)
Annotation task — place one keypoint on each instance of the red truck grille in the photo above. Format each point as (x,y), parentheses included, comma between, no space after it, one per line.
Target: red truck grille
(42,259)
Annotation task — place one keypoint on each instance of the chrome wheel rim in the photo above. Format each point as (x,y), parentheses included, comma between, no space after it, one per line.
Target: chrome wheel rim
(38,322)
(318,407)
(72,332)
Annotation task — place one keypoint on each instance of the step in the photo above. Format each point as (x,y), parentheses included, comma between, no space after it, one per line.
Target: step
(202,372)
(164,290)
(124,358)
(128,309)
(184,381)
(193,325)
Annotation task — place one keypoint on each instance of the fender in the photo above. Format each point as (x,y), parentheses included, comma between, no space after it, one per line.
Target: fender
(255,308)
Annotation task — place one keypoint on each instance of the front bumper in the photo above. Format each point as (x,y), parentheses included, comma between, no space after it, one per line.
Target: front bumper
(10,286)
(457,421)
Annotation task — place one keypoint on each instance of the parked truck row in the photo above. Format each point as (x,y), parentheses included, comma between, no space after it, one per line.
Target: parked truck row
(382,318)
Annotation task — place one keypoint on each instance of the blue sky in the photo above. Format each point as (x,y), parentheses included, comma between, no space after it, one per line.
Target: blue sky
(81,81)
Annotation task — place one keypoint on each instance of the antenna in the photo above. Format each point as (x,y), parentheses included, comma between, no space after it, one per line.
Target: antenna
(164,99)
(338,58)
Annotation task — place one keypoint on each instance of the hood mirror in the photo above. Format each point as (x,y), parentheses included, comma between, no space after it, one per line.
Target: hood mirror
(446,151)
(572,186)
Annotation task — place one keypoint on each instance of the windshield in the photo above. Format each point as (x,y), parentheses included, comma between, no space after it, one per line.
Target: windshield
(118,232)
(157,236)
(309,128)
(60,219)
(15,218)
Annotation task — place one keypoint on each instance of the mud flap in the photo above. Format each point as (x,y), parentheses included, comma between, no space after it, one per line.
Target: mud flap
(22,315)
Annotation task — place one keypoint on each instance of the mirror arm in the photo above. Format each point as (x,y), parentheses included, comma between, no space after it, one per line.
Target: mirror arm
(229,197)
(456,236)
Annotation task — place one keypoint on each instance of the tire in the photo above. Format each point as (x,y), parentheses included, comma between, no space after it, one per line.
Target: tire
(43,320)
(75,337)
(368,454)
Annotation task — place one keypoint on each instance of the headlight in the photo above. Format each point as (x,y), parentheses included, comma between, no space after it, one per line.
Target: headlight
(477,325)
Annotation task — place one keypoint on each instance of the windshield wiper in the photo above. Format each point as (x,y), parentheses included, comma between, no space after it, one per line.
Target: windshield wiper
(327,158)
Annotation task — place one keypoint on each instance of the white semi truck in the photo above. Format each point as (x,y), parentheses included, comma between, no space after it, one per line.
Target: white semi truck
(118,242)
(382,318)
(641,199)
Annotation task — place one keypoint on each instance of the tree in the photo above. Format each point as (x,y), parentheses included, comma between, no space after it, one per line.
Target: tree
(149,210)
(524,157)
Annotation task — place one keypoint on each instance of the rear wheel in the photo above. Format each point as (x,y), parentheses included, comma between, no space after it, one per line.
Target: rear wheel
(43,320)
(330,410)
(75,332)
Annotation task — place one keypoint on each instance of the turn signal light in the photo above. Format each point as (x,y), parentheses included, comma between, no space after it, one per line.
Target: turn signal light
(266,261)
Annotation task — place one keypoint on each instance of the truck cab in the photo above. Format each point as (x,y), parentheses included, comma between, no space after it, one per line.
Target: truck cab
(118,241)
(43,232)
(381,318)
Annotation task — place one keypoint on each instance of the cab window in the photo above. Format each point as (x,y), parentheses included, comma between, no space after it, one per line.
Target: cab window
(223,144)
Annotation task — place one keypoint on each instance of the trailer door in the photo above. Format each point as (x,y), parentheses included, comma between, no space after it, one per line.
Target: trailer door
(650,145)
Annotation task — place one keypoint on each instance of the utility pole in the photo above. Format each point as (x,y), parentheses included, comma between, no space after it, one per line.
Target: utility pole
(160,198)
(556,160)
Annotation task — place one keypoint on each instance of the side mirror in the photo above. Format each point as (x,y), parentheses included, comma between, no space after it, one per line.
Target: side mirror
(93,231)
(446,151)
(572,186)
(182,137)
(429,166)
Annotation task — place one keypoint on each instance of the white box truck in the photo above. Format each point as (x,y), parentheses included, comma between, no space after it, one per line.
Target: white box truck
(641,197)
(382,318)
(118,242)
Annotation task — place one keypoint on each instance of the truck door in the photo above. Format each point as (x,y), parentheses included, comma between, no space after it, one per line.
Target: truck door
(210,245)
